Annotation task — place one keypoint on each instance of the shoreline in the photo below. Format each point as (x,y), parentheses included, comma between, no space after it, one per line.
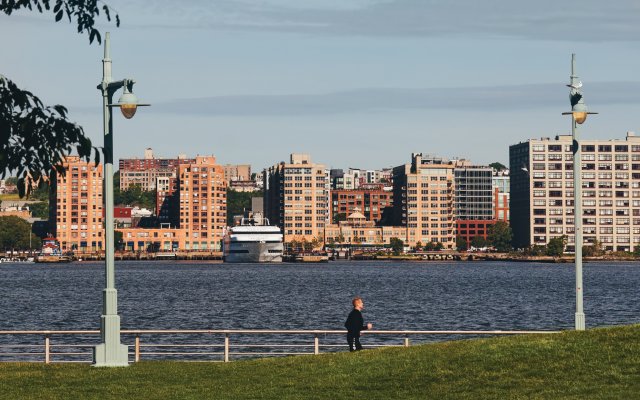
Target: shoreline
(408,259)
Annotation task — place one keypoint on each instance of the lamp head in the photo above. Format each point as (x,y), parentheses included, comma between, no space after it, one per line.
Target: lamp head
(128,103)
(579,112)
(580,116)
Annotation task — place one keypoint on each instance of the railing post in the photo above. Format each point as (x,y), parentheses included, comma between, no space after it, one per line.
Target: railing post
(226,347)
(316,345)
(47,350)
(406,341)
(137,348)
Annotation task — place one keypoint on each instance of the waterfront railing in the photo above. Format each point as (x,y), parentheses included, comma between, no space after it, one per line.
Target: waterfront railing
(212,345)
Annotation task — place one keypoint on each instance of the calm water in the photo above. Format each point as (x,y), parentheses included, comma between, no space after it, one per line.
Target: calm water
(183,295)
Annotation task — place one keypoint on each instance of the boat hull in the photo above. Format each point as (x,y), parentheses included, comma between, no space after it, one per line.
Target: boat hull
(52,259)
(253,252)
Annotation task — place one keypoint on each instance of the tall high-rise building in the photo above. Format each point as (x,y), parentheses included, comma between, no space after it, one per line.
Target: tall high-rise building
(542,203)
(474,198)
(297,198)
(75,206)
(423,198)
(202,202)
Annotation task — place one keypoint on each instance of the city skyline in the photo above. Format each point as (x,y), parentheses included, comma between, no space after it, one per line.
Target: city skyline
(364,81)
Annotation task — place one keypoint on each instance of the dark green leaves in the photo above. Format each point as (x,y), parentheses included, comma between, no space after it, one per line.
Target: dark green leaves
(34,139)
(83,12)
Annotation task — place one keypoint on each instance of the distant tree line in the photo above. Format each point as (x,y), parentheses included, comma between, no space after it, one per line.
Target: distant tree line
(237,202)
(15,233)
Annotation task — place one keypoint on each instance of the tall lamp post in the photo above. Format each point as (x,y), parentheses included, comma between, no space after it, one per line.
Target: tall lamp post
(578,114)
(110,352)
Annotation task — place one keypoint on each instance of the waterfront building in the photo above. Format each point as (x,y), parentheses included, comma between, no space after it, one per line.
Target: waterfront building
(75,206)
(371,199)
(145,172)
(501,192)
(297,198)
(202,194)
(358,231)
(474,199)
(154,239)
(423,200)
(542,200)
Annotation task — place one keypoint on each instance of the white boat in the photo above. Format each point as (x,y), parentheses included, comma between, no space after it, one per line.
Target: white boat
(253,240)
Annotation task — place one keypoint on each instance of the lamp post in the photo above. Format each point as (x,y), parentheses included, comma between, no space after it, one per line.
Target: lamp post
(578,114)
(110,352)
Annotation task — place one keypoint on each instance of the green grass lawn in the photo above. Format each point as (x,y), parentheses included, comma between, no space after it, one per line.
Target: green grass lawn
(596,364)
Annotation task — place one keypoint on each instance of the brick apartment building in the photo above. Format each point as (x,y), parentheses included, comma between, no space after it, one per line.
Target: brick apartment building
(369,201)
(144,172)
(75,206)
(202,203)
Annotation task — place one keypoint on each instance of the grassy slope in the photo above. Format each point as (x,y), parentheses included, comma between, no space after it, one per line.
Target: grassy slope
(596,364)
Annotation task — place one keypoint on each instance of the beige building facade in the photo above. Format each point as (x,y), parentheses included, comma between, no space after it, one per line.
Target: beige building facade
(297,198)
(237,172)
(358,231)
(542,192)
(423,200)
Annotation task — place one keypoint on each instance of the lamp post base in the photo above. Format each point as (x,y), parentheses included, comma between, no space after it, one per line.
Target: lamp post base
(107,357)
(580,325)
(110,353)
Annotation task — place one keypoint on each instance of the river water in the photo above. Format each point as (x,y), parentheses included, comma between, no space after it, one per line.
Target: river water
(409,295)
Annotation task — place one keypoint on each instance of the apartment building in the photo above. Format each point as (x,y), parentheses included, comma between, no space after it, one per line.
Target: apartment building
(342,181)
(474,200)
(146,171)
(501,184)
(155,239)
(369,201)
(237,172)
(297,198)
(167,209)
(542,191)
(423,198)
(75,206)
(202,194)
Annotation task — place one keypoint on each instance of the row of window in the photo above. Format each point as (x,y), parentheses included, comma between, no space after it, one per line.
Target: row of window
(590,148)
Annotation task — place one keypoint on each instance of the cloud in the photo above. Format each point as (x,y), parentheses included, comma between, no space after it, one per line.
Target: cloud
(373,100)
(572,20)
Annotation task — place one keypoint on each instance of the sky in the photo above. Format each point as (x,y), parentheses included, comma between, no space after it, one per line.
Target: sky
(354,83)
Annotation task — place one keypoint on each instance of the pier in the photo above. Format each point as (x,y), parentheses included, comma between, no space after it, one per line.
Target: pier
(153,256)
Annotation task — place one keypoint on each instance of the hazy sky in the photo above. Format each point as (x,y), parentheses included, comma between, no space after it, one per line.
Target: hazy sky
(355,83)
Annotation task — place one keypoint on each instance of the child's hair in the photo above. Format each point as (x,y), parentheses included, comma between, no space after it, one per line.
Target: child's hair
(355,300)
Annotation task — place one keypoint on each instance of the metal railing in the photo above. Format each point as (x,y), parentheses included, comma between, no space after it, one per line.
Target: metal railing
(206,344)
